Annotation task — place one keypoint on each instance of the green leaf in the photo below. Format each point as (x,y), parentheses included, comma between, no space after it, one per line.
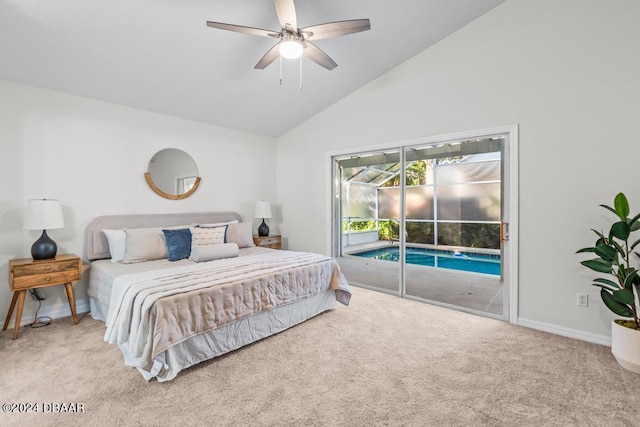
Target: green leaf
(597,264)
(634,223)
(621,274)
(604,287)
(602,240)
(622,206)
(605,252)
(620,249)
(586,250)
(631,274)
(624,296)
(621,230)
(615,306)
(610,208)
(608,282)
(633,246)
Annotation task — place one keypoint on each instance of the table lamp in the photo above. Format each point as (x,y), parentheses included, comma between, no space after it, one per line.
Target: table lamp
(263,210)
(43,214)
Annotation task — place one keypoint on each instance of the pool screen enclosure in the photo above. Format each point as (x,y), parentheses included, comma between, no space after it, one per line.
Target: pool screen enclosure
(451,198)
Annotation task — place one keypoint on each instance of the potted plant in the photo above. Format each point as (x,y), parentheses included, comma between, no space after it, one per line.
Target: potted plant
(618,291)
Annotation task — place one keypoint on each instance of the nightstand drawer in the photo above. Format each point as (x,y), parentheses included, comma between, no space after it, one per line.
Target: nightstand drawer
(25,282)
(273,241)
(272,246)
(44,268)
(269,240)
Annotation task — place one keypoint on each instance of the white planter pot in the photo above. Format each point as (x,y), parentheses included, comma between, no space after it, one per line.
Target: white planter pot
(625,346)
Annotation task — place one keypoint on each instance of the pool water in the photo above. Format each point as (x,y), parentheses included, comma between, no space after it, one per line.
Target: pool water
(465,261)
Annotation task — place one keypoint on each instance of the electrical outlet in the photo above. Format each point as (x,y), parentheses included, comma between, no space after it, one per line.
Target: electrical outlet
(583,300)
(37,295)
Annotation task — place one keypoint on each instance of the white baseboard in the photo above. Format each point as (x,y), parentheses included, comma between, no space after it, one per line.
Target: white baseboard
(83,307)
(565,332)
(56,312)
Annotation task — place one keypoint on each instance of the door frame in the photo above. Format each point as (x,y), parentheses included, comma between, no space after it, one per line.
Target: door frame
(510,196)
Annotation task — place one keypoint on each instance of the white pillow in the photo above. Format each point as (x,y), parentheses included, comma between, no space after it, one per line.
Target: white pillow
(144,244)
(240,233)
(201,253)
(117,242)
(208,235)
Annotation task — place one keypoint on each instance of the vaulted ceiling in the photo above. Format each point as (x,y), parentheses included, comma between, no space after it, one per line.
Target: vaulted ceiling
(159,55)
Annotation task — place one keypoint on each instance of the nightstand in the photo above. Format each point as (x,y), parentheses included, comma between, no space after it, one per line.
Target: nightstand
(25,274)
(273,241)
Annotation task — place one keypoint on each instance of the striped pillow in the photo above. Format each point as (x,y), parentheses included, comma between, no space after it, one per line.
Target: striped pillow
(208,236)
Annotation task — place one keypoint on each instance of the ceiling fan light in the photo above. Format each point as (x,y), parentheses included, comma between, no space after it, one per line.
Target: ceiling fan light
(291,49)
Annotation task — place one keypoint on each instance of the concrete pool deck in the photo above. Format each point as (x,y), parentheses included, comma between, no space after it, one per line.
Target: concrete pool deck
(474,292)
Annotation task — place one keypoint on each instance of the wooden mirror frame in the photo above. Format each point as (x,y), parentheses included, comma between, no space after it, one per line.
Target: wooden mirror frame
(161,193)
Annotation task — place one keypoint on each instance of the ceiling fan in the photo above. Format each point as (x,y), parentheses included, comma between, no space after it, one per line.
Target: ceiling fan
(295,42)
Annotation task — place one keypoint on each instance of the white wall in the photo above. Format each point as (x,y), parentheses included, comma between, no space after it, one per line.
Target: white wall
(92,156)
(566,71)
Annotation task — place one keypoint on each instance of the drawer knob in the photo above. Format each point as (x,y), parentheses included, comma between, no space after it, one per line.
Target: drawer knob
(48,267)
(48,279)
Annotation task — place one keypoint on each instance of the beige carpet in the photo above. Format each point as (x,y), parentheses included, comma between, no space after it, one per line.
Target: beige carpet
(381,361)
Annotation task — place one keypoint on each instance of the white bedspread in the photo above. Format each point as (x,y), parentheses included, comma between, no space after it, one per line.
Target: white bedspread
(151,311)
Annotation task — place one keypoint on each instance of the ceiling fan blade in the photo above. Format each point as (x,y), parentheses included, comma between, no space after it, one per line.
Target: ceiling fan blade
(241,29)
(268,57)
(286,12)
(335,29)
(316,54)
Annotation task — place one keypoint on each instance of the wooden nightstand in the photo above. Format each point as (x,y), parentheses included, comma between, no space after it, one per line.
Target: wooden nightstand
(25,274)
(273,241)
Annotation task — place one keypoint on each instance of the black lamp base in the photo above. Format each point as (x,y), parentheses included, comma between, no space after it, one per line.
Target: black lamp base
(44,247)
(263,230)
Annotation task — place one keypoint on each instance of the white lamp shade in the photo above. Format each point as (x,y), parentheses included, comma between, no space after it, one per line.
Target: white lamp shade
(43,214)
(263,209)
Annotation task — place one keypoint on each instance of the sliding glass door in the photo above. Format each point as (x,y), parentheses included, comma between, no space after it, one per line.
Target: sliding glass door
(453,212)
(426,222)
(367,226)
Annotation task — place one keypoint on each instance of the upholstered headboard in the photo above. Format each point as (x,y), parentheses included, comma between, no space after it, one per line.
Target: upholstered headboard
(96,245)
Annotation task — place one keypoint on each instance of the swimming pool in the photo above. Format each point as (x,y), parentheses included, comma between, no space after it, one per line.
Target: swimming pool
(465,261)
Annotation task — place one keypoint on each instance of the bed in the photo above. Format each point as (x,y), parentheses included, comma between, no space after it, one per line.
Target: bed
(168,313)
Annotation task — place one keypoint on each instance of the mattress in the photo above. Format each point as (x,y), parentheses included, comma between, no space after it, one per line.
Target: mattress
(103,272)
(166,316)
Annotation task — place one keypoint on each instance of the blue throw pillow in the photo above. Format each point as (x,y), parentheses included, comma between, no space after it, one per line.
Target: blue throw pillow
(178,243)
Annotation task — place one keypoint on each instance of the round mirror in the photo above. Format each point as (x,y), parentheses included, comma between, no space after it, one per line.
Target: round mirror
(172,174)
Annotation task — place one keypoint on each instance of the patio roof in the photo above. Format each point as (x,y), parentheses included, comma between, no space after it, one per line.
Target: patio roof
(378,168)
